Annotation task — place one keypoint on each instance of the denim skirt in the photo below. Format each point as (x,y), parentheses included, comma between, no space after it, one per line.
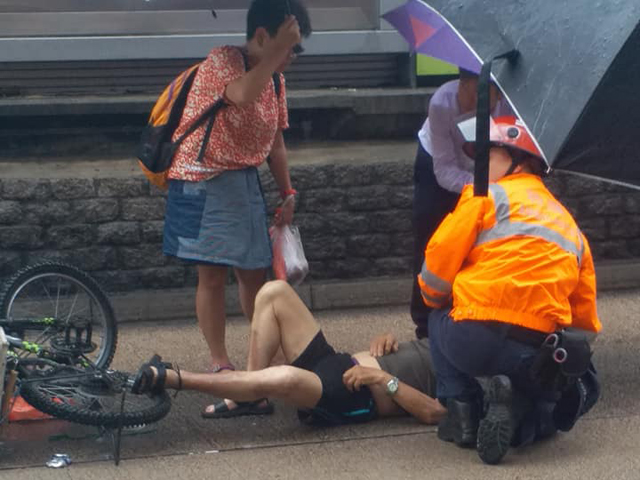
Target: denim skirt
(220,221)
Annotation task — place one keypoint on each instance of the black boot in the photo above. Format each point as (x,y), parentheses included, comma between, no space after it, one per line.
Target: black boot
(496,428)
(460,425)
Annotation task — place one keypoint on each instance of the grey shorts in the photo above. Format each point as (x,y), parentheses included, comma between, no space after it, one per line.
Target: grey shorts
(412,365)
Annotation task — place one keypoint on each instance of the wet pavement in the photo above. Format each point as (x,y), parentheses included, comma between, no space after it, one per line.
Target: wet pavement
(605,444)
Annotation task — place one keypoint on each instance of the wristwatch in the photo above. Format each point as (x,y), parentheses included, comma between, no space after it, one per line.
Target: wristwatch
(392,386)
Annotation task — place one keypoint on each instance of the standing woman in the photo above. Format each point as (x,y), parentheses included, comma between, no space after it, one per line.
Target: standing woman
(216,214)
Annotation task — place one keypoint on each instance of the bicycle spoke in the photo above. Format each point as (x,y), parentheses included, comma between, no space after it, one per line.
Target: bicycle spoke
(72,307)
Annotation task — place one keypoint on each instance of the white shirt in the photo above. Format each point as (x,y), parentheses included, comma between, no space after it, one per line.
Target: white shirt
(441,138)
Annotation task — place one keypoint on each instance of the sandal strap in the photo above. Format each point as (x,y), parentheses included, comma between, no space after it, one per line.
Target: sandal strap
(177,370)
(161,377)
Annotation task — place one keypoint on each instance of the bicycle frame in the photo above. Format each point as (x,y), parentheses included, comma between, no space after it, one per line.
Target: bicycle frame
(73,335)
(4,349)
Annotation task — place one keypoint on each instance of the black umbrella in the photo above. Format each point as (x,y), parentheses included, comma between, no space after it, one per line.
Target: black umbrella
(572,75)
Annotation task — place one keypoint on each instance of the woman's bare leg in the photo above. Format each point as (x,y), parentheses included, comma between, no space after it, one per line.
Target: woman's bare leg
(210,310)
(295,386)
(249,283)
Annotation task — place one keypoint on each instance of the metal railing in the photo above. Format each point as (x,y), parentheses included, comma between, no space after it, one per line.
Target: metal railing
(69,30)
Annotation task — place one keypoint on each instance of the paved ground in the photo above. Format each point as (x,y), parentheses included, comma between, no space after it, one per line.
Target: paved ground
(604,445)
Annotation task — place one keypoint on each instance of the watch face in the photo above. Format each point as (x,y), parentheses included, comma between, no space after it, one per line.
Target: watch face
(392,386)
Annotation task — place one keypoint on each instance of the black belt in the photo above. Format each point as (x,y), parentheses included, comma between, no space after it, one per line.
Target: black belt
(535,338)
(527,336)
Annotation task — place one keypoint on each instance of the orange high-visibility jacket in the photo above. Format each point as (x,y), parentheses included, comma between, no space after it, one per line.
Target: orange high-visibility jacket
(516,256)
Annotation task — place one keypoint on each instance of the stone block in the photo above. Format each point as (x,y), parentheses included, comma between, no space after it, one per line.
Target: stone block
(625,227)
(267,181)
(119,233)
(391,221)
(156,191)
(370,198)
(70,188)
(47,213)
(611,250)
(143,256)
(70,236)
(152,232)
(634,247)
(632,203)
(21,237)
(394,266)
(96,210)
(120,280)
(578,186)
(23,189)
(346,175)
(143,209)
(401,244)
(89,259)
(319,270)
(555,182)
(162,277)
(346,223)
(596,205)
(369,246)
(393,173)
(594,228)
(310,177)
(323,200)
(123,187)
(349,267)
(321,248)
(311,224)
(401,198)
(10,212)
(10,263)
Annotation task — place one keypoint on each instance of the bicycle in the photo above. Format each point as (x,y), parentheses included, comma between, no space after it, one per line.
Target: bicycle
(62,336)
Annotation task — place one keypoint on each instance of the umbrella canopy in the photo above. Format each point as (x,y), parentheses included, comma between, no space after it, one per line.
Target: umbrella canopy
(575,83)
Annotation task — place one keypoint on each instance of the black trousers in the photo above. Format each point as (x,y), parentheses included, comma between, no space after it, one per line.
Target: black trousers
(431,203)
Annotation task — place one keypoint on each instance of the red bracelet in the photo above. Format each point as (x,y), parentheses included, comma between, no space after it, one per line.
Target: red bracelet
(290,191)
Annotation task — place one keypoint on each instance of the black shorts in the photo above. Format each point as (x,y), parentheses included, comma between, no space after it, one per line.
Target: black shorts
(337,406)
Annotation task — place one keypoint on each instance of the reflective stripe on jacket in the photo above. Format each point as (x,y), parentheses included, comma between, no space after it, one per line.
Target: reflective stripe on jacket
(516,256)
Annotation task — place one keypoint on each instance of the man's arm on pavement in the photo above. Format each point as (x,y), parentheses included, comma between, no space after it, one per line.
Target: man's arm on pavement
(417,404)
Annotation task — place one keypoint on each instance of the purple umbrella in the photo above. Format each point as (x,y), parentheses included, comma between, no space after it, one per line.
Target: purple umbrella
(429,33)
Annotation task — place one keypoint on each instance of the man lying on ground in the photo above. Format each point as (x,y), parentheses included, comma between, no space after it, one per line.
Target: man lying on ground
(327,387)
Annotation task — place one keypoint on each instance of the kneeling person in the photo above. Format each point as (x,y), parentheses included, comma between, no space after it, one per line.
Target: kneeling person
(505,272)
(328,387)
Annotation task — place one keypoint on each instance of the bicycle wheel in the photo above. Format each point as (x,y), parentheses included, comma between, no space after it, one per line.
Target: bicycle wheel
(41,300)
(91,397)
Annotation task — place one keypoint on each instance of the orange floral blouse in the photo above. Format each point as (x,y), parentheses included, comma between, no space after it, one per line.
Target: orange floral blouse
(242,136)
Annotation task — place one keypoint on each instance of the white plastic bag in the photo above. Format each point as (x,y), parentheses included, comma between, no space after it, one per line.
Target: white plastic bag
(289,262)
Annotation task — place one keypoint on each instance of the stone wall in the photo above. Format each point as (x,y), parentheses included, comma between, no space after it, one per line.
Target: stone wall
(355,222)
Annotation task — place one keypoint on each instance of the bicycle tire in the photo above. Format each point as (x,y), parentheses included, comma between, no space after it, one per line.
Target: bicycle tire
(67,393)
(19,281)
